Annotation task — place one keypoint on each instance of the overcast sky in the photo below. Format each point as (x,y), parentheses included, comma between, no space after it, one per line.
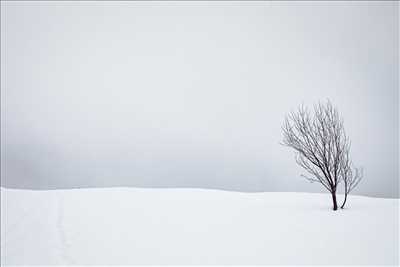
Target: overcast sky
(192,94)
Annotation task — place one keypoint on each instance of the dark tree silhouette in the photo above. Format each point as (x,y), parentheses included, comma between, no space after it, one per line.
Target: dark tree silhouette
(322,148)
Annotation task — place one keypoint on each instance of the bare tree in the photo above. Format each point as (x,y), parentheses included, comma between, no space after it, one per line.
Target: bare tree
(322,148)
(351,177)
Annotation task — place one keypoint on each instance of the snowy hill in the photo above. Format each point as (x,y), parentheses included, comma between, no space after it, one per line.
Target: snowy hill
(194,226)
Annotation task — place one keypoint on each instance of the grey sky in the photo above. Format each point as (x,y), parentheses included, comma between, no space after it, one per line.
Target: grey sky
(192,94)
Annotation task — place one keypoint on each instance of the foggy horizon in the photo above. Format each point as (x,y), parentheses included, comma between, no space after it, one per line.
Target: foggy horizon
(135,94)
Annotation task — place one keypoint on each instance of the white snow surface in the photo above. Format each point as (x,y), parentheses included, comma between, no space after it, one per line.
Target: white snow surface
(116,226)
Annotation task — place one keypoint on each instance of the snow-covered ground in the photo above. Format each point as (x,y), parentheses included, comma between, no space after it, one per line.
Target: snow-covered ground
(194,226)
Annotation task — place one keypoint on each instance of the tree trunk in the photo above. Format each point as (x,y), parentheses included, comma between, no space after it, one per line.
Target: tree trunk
(344,202)
(334,201)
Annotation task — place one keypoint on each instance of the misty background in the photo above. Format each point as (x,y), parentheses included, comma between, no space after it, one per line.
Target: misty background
(192,94)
